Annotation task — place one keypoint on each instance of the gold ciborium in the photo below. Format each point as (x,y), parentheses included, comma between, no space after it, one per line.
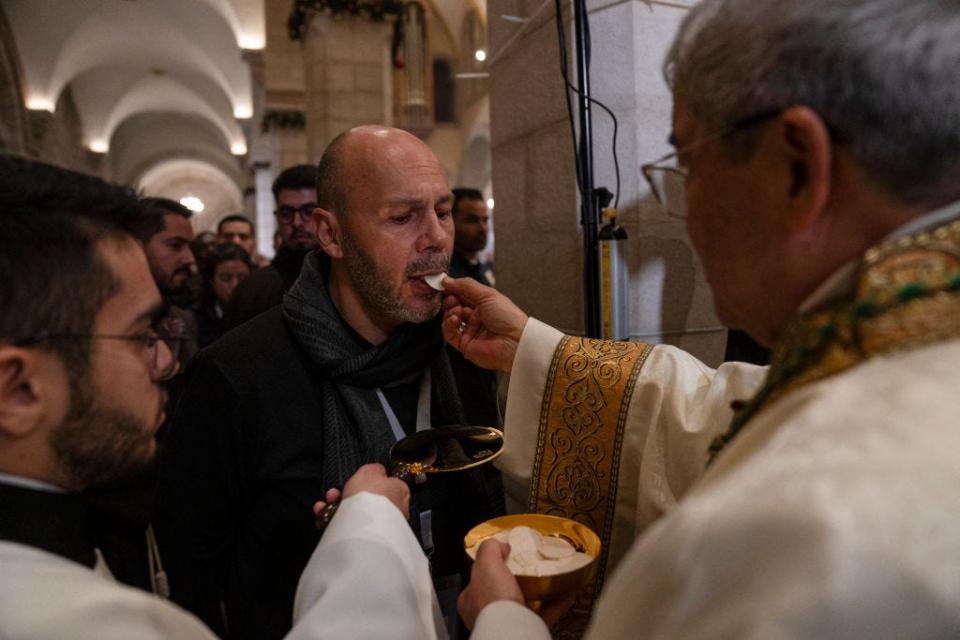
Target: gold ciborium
(539,589)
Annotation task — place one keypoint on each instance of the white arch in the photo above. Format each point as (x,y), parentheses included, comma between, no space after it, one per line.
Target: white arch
(61,40)
(158,93)
(246,20)
(96,42)
(209,181)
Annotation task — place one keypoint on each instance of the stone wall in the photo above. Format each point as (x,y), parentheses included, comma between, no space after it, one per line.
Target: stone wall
(347,77)
(539,237)
(13,126)
(56,138)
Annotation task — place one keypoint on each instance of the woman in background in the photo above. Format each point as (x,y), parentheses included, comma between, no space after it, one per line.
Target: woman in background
(222,269)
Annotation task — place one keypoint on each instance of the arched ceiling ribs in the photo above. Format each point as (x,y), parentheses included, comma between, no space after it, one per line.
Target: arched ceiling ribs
(163,94)
(246,20)
(144,139)
(61,40)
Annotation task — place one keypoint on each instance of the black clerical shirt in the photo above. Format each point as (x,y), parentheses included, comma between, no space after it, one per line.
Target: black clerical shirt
(59,523)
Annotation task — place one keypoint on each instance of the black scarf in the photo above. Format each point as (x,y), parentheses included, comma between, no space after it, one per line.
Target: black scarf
(355,429)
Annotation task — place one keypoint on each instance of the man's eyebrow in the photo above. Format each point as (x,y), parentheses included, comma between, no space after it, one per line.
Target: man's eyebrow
(404,200)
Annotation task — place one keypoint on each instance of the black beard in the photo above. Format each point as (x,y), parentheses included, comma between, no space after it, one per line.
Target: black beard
(96,445)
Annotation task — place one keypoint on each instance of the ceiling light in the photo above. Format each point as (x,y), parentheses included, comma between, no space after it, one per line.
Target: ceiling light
(192,202)
(489,203)
(251,42)
(99,146)
(39,103)
(480,55)
(238,148)
(242,112)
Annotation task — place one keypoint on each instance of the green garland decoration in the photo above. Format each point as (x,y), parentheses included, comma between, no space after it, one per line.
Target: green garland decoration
(376,10)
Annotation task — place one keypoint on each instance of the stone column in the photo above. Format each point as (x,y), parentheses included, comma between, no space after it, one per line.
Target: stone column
(347,63)
(258,151)
(539,238)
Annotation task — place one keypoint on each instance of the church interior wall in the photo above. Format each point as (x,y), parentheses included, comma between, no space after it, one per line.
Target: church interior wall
(53,137)
(534,176)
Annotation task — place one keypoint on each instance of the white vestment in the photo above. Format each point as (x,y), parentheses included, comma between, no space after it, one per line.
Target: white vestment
(45,596)
(836,514)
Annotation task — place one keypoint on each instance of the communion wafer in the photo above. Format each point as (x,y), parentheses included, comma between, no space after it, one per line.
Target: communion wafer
(435,280)
(534,554)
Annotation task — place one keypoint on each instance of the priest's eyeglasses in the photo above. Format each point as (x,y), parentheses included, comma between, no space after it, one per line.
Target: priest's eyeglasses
(668,179)
(285,213)
(163,341)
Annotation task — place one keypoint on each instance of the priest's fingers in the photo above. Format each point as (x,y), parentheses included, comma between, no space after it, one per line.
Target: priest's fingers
(452,332)
(373,479)
(490,581)
(468,290)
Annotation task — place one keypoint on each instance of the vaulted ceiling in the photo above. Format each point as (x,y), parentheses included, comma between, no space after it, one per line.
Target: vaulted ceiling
(161,85)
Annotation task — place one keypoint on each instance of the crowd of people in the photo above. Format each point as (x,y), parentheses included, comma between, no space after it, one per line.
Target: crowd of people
(169,433)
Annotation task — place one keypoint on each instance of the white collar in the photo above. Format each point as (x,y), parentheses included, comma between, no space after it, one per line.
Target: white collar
(843,279)
(29,483)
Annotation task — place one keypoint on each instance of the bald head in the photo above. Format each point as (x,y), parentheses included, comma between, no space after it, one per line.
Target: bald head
(384,220)
(359,155)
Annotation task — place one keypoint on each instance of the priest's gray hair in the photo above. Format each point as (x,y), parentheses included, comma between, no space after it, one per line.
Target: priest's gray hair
(884,75)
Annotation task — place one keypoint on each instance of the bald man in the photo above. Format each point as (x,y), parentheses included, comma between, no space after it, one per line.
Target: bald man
(297,399)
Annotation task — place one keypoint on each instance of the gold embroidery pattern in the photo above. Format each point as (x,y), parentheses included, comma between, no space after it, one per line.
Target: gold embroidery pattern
(577,461)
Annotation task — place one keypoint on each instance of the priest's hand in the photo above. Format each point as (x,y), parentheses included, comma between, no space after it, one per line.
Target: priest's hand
(373,478)
(490,581)
(481,323)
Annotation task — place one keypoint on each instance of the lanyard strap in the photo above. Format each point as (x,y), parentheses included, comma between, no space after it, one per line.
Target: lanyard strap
(423,408)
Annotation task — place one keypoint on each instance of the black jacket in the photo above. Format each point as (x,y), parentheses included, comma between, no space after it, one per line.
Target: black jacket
(241,470)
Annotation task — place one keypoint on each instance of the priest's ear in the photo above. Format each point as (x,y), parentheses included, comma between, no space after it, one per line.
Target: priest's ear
(329,232)
(806,152)
(34,391)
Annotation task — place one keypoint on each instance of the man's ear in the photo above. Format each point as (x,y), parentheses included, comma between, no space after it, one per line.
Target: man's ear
(808,155)
(328,232)
(23,390)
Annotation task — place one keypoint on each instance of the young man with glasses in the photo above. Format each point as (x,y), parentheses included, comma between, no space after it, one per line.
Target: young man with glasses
(85,346)
(295,193)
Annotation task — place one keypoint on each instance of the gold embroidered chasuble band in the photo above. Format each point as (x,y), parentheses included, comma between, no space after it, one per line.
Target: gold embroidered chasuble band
(577,462)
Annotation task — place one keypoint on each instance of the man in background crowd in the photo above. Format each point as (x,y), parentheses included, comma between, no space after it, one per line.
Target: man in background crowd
(295,193)
(471,220)
(166,232)
(239,230)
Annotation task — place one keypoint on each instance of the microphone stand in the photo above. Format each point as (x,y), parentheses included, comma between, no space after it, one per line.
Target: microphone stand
(589,213)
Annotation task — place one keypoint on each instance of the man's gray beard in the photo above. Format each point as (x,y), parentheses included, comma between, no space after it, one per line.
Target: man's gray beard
(95,445)
(374,287)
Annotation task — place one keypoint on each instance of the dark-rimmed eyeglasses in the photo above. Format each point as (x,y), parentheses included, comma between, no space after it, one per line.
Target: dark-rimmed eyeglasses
(668,179)
(285,213)
(167,330)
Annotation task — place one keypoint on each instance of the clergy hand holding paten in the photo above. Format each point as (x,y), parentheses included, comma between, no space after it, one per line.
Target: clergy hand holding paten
(442,450)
